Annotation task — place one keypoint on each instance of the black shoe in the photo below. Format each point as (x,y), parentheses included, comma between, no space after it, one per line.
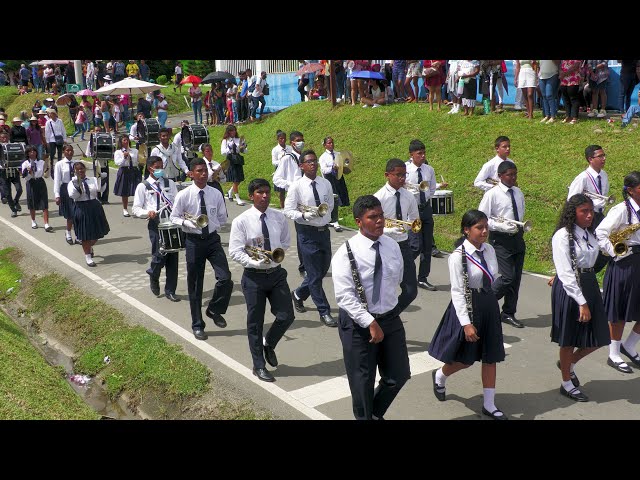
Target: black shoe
(328,320)
(14,214)
(217,318)
(200,334)
(303,273)
(18,207)
(263,374)
(620,366)
(572,375)
(511,320)
(49,229)
(635,360)
(77,241)
(493,414)
(436,253)
(426,285)
(438,391)
(298,304)
(154,285)
(270,355)
(172,297)
(574,394)
(104,202)
(4,201)
(69,241)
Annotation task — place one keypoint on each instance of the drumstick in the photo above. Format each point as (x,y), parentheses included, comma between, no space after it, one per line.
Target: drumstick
(442,178)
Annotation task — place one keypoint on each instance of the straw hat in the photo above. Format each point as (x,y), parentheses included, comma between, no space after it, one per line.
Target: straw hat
(33,118)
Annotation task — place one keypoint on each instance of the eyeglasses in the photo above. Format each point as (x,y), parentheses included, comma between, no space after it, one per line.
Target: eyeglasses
(310,161)
(602,155)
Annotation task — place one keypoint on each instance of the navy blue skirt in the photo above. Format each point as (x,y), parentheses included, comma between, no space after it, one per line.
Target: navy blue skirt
(621,288)
(127,180)
(235,174)
(67,205)
(276,188)
(566,331)
(449,344)
(89,220)
(37,194)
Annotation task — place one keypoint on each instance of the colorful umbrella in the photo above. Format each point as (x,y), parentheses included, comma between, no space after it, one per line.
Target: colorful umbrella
(368,74)
(194,79)
(64,99)
(86,92)
(310,68)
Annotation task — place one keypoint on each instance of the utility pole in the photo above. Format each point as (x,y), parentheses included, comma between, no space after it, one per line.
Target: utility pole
(332,83)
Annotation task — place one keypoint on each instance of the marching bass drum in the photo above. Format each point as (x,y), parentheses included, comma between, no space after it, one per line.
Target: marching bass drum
(149,132)
(103,147)
(442,202)
(172,238)
(11,157)
(194,135)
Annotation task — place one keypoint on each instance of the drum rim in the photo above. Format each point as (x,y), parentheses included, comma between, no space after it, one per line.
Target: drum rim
(442,193)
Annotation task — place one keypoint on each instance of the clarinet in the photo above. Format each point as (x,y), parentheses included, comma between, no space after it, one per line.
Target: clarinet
(467,290)
(356,278)
(574,259)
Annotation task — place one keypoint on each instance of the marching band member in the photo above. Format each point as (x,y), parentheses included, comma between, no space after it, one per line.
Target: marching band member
(37,195)
(100,166)
(134,137)
(202,244)
(507,201)
(129,175)
(89,221)
(329,169)
(6,182)
(595,180)
(470,328)
(63,173)
(398,203)
(366,271)
(172,161)
(277,153)
(151,196)
(216,175)
(579,322)
(233,145)
(490,168)
(263,277)
(313,237)
(418,170)
(621,284)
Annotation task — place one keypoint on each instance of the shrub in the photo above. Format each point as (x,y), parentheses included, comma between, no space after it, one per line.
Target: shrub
(161,80)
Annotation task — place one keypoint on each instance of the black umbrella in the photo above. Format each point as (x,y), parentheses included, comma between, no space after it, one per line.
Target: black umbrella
(219,77)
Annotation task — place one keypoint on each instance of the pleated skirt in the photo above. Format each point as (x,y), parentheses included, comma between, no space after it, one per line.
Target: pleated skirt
(67,205)
(89,220)
(235,174)
(449,344)
(566,331)
(37,194)
(276,188)
(621,288)
(127,180)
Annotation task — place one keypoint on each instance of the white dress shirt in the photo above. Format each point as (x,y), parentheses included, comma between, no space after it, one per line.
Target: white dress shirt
(39,171)
(226,146)
(327,161)
(408,205)
(588,180)
(497,202)
(365,255)
(118,158)
(133,133)
(488,170)
(278,152)
(615,220)
(145,200)
(171,160)
(301,192)
(586,255)
(177,141)
(473,271)
(52,128)
(288,171)
(92,194)
(428,174)
(62,175)
(188,200)
(246,229)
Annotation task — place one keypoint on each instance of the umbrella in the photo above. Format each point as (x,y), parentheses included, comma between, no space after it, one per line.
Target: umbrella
(2,64)
(53,62)
(64,99)
(191,79)
(86,92)
(129,86)
(368,74)
(310,68)
(218,77)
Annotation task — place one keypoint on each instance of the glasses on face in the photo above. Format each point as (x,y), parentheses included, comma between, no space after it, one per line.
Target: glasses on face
(602,155)
(310,161)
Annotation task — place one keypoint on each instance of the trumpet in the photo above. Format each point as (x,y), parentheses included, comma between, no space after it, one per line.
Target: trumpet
(276,255)
(423,186)
(321,209)
(610,199)
(200,220)
(415,226)
(492,181)
(526,226)
(620,246)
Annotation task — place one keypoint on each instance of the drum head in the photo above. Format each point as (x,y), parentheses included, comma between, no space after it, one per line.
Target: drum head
(442,193)
(194,135)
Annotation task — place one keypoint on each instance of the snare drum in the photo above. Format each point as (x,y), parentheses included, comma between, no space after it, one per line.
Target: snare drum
(103,146)
(194,135)
(442,202)
(172,238)
(149,132)
(11,157)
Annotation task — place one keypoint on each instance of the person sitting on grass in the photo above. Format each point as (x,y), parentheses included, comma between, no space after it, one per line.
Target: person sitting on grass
(375,96)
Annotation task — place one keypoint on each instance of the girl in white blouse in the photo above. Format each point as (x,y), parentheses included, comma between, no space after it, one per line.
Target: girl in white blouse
(579,322)
(129,175)
(232,145)
(37,195)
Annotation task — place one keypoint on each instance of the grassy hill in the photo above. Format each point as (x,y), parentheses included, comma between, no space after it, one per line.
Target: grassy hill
(548,156)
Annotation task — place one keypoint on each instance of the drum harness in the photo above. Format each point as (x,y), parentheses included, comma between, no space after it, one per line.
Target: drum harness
(160,193)
(168,155)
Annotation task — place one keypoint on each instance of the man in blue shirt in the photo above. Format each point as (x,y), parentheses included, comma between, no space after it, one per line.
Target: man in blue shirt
(25,75)
(243,102)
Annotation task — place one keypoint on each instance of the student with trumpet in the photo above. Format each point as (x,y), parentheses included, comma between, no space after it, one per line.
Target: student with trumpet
(200,210)
(504,207)
(487,178)
(309,200)
(257,241)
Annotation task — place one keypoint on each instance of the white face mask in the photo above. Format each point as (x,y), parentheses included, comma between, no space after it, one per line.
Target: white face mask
(299,146)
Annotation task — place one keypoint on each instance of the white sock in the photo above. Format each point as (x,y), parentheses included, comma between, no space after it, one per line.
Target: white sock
(568,386)
(631,342)
(87,258)
(46,225)
(68,233)
(441,378)
(571,368)
(33,223)
(489,400)
(124,210)
(614,351)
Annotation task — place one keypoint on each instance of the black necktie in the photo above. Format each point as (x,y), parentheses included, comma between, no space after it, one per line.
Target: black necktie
(513,204)
(377,274)
(333,155)
(203,210)
(423,199)
(486,283)
(265,232)
(157,197)
(599,185)
(86,188)
(70,170)
(586,240)
(398,208)
(315,193)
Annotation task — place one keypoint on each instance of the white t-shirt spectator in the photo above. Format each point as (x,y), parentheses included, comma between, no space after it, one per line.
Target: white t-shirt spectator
(257,92)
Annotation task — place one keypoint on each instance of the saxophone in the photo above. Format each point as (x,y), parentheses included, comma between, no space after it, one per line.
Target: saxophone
(618,238)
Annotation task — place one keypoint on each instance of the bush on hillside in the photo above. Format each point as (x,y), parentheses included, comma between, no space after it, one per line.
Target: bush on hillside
(161,80)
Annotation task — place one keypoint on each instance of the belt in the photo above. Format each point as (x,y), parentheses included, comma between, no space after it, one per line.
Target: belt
(262,270)
(481,290)
(199,236)
(385,316)
(315,228)
(586,270)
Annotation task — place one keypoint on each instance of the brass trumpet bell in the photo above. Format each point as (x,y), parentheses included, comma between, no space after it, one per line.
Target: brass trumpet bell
(200,220)
(423,186)
(276,255)
(415,226)
(321,209)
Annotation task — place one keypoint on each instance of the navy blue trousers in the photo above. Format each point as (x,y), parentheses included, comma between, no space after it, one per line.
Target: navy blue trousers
(170,261)
(409,284)
(423,241)
(315,249)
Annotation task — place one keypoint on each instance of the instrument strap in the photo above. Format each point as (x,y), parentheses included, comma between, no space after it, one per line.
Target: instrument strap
(159,192)
(573,257)
(356,277)
(479,265)
(593,181)
(467,291)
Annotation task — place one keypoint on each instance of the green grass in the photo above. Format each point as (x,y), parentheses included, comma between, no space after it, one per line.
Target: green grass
(548,156)
(10,274)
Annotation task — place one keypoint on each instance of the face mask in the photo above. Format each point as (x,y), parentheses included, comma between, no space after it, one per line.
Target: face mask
(299,146)
(159,173)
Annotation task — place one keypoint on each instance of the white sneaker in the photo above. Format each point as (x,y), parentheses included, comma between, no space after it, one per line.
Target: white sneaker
(602,114)
(239,201)
(375,105)
(544,120)
(517,107)
(365,106)
(338,100)
(592,113)
(230,194)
